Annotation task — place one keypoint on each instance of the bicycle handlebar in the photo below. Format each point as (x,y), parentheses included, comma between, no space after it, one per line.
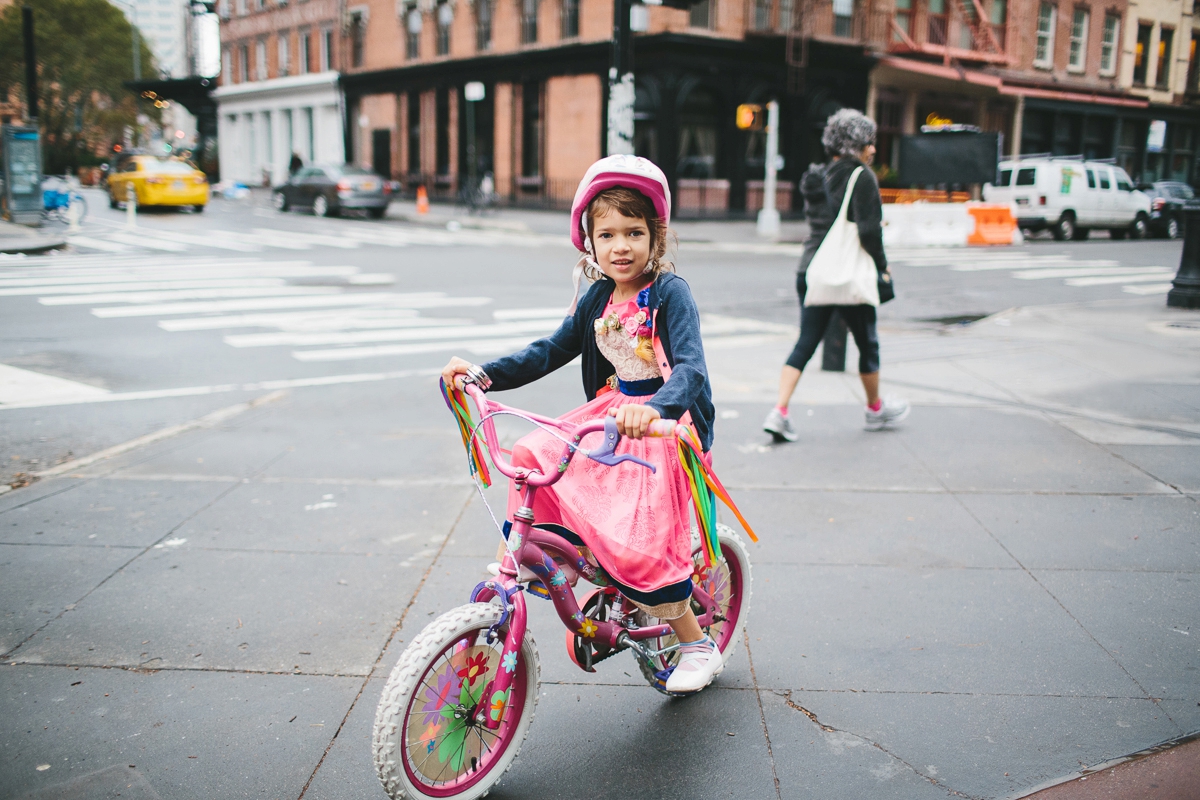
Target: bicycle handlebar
(604,454)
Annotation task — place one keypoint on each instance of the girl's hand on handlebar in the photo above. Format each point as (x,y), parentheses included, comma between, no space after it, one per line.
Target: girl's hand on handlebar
(455,368)
(634,420)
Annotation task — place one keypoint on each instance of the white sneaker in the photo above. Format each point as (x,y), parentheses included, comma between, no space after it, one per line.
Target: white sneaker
(780,427)
(893,409)
(698,664)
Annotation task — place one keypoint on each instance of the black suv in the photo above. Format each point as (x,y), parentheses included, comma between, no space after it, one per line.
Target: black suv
(1167,199)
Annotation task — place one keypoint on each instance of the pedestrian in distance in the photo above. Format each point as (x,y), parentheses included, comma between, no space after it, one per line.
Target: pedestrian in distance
(849,140)
(296,164)
(638,332)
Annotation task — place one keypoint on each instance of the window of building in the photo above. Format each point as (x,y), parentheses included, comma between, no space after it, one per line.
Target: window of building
(227,65)
(529,21)
(531,130)
(327,49)
(1077,59)
(304,60)
(570,19)
(243,63)
(260,60)
(1108,45)
(761,16)
(1166,38)
(843,18)
(702,14)
(787,12)
(999,21)
(241,8)
(903,20)
(284,54)
(1044,49)
(358,36)
(1141,54)
(1193,78)
(937,22)
(483,24)
(413,23)
(445,17)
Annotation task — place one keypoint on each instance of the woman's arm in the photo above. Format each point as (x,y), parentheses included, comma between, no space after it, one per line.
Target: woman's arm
(868,213)
(688,373)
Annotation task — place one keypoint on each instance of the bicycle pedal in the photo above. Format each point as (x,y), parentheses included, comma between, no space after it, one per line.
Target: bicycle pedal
(538,589)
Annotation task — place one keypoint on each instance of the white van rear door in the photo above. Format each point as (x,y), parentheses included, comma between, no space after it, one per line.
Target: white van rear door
(1025,190)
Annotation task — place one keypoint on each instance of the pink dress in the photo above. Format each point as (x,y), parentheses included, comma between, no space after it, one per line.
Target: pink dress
(636,523)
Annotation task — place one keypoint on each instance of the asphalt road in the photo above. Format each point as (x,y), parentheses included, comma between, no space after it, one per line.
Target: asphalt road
(982,602)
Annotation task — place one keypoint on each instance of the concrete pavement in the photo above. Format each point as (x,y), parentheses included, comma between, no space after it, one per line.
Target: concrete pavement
(989,599)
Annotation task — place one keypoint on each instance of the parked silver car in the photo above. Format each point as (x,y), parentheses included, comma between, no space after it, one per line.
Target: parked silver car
(330,189)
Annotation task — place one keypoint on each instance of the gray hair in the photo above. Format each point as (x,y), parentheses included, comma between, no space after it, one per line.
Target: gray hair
(847,133)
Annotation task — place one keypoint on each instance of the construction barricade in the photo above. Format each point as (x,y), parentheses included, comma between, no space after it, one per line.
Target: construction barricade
(994,224)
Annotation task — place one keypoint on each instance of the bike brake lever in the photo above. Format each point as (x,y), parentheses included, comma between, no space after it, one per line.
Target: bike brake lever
(606,453)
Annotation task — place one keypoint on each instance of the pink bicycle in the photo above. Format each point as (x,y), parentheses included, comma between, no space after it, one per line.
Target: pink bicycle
(458,705)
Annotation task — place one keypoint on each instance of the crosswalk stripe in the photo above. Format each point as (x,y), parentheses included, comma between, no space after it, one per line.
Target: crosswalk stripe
(1085,272)
(166,309)
(1157,288)
(337,319)
(1105,280)
(219,242)
(139,286)
(477,346)
(189,294)
(145,241)
(393,335)
(97,244)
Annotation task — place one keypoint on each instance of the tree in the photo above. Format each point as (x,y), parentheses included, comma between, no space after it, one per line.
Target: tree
(85,55)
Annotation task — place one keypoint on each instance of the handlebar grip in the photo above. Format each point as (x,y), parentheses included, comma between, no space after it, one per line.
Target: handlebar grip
(661,428)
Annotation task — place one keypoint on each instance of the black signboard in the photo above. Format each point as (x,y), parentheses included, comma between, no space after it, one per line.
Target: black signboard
(949,157)
(21,152)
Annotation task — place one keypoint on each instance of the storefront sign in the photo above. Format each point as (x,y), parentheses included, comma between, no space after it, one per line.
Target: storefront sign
(934,121)
(1157,138)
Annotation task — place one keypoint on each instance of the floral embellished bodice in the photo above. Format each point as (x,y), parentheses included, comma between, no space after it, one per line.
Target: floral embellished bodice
(623,336)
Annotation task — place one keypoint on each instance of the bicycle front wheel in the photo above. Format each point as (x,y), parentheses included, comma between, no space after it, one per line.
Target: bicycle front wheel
(427,742)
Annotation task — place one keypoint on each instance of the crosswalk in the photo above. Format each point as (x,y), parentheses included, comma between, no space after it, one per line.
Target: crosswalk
(312,313)
(340,235)
(1026,266)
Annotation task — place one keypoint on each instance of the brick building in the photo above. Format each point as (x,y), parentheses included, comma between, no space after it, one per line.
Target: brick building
(1061,76)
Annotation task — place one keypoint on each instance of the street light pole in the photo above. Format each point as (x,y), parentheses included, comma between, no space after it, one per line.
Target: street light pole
(620,83)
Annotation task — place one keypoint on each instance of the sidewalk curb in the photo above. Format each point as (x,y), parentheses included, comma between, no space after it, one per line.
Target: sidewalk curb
(39,245)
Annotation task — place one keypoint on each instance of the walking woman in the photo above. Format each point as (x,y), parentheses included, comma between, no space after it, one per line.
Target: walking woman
(849,139)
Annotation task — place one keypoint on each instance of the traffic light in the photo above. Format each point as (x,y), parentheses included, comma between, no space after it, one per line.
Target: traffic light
(751,117)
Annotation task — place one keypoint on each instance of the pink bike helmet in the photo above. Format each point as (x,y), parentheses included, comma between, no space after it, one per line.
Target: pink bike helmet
(631,172)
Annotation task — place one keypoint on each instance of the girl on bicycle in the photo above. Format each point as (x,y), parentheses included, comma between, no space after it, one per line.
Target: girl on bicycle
(638,332)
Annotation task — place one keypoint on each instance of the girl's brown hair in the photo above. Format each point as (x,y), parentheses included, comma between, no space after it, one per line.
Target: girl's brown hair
(634,205)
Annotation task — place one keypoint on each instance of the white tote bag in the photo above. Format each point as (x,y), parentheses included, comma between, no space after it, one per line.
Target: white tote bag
(841,272)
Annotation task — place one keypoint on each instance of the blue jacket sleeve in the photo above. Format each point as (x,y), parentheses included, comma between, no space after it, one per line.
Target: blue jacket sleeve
(688,373)
(538,359)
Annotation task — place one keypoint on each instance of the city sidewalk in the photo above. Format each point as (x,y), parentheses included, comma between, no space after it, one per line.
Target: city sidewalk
(23,239)
(995,597)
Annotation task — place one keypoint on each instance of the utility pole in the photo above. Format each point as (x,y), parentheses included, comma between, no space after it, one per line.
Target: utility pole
(768,217)
(31,88)
(621,91)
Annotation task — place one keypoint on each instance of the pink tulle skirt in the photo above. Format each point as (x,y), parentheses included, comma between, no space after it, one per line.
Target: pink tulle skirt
(636,523)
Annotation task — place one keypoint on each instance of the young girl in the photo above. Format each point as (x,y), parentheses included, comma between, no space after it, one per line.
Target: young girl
(638,331)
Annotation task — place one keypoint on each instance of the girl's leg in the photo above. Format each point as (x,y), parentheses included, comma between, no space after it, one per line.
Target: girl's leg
(687,628)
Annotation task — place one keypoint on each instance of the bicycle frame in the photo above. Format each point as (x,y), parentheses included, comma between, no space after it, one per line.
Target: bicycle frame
(535,548)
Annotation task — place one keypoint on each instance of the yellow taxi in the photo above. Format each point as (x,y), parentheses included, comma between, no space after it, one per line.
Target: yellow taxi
(158,181)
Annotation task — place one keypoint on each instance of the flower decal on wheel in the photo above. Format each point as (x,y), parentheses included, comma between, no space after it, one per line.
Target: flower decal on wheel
(499,699)
(475,668)
(444,694)
(509,662)
(588,628)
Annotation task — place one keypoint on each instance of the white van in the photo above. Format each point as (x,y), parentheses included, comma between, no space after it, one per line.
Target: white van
(1071,197)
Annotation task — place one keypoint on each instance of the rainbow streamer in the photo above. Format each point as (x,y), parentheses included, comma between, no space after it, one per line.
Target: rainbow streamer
(456,401)
(705,489)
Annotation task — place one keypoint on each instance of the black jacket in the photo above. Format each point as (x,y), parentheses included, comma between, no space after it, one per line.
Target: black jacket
(824,188)
(677,326)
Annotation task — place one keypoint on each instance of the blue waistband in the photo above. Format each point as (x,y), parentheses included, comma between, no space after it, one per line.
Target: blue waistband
(639,388)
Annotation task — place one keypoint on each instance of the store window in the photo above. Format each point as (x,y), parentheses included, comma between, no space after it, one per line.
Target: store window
(1043,56)
(645,121)
(414,133)
(483,24)
(703,14)
(1108,45)
(1077,59)
(1183,142)
(529,21)
(937,22)
(442,137)
(1166,37)
(698,135)
(531,130)
(570,19)
(1141,54)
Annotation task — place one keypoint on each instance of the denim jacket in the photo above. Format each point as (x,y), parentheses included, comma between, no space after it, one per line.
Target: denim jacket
(676,324)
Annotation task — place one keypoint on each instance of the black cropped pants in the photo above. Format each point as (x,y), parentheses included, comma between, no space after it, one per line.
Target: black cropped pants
(815,319)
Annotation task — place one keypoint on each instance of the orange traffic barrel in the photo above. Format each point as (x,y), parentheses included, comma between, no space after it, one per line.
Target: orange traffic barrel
(422,200)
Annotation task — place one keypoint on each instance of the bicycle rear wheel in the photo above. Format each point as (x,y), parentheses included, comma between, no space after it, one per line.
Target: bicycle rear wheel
(426,740)
(728,583)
